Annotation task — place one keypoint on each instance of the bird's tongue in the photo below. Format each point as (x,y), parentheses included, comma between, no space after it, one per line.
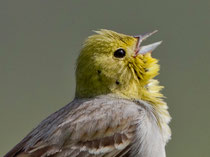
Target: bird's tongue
(147,48)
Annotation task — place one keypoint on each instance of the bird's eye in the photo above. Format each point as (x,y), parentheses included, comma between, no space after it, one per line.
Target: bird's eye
(120,53)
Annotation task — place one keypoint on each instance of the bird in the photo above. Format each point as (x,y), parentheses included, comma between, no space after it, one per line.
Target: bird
(118,109)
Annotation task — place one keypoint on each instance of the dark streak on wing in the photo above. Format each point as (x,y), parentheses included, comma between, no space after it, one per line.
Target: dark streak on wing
(125,152)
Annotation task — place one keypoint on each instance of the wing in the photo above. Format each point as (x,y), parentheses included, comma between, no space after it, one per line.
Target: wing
(85,128)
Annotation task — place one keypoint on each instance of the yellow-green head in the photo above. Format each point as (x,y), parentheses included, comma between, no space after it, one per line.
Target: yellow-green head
(114,63)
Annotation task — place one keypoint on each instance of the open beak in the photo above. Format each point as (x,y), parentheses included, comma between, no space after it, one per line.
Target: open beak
(147,48)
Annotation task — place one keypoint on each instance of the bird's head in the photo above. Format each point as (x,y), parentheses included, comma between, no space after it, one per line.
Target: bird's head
(114,63)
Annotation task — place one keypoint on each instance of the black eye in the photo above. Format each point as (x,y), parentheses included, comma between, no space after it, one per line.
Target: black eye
(120,53)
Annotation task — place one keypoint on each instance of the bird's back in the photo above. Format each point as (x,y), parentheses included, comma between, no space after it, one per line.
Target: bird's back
(104,126)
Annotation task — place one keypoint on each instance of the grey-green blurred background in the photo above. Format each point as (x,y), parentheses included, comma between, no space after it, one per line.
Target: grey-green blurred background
(40,41)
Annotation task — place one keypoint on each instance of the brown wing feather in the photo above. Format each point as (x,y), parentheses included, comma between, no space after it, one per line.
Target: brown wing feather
(102,127)
(18,148)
